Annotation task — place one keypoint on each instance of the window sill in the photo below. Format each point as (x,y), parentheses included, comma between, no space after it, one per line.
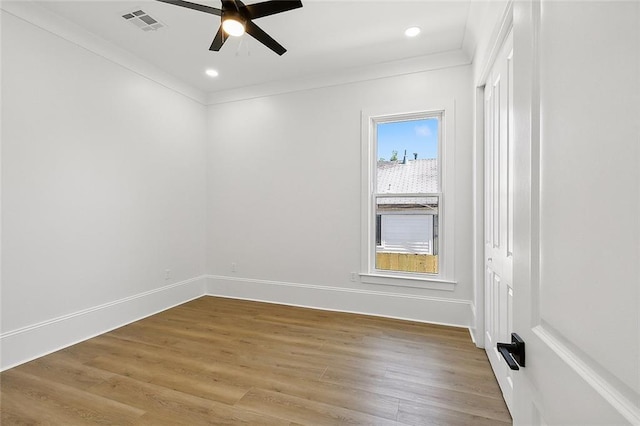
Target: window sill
(406,281)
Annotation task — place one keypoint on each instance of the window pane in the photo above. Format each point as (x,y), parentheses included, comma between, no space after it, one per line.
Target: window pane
(407,234)
(408,156)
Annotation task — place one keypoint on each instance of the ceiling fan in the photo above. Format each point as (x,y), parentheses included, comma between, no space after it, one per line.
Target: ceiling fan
(236,18)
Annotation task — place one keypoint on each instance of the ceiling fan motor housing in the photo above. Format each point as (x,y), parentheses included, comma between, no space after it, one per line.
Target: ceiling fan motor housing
(233,23)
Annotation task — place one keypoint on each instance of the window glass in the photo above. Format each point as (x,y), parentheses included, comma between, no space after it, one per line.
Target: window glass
(407,194)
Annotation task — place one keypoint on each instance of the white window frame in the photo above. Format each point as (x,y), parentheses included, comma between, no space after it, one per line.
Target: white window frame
(444,279)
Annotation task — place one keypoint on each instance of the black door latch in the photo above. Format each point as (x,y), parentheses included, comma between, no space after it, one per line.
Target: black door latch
(513,352)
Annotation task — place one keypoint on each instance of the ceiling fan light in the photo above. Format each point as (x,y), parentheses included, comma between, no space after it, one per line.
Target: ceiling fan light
(233,26)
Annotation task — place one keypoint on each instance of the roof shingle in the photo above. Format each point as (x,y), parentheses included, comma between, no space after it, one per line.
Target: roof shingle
(415,176)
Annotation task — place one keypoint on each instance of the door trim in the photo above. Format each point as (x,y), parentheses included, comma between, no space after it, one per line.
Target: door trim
(500,33)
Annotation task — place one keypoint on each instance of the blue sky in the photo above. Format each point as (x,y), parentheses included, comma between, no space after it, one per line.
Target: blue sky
(419,136)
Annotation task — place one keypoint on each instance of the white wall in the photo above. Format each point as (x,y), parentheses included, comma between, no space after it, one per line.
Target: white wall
(103,184)
(284,197)
(112,173)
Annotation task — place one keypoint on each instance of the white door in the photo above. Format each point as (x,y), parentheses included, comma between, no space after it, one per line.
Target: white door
(498,191)
(576,273)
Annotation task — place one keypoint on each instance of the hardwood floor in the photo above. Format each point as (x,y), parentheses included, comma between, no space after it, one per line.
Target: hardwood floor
(227,362)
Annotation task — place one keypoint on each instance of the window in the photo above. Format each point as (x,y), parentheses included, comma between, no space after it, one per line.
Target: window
(404,200)
(407,192)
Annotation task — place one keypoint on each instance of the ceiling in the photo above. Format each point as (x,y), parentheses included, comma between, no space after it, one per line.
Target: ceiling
(323,37)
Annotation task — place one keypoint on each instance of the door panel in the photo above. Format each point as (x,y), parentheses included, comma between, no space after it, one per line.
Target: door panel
(601,264)
(577,212)
(498,222)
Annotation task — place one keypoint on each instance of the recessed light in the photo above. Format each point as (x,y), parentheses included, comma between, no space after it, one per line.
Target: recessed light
(211,72)
(412,32)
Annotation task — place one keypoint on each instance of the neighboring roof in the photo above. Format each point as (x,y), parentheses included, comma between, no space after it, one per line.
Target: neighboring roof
(416,176)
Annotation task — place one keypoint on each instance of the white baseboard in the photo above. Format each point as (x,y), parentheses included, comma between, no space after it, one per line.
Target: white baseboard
(36,340)
(27,343)
(452,312)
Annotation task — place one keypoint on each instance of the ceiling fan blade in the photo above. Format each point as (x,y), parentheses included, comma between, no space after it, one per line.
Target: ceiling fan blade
(194,6)
(229,5)
(218,40)
(264,38)
(266,8)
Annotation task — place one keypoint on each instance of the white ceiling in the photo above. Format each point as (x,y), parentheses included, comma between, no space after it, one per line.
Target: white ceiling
(322,37)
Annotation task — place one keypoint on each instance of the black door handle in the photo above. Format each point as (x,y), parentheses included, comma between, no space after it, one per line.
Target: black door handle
(513,352)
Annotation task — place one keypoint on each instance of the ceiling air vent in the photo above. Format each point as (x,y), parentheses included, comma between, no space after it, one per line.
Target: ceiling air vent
(140,19)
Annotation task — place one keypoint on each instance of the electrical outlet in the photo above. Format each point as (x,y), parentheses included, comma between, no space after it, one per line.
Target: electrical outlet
(167,274)
(234,267)
(354,276)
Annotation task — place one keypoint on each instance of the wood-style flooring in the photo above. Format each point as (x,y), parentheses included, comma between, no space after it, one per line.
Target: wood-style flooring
(220,361)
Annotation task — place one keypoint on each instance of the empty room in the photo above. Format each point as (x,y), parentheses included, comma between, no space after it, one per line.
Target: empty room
(320,212)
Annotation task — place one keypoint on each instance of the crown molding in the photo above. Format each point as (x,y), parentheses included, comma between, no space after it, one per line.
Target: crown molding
(38,16)
(414,65)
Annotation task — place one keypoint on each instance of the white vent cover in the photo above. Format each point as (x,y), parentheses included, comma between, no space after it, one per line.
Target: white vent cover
(143,21)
